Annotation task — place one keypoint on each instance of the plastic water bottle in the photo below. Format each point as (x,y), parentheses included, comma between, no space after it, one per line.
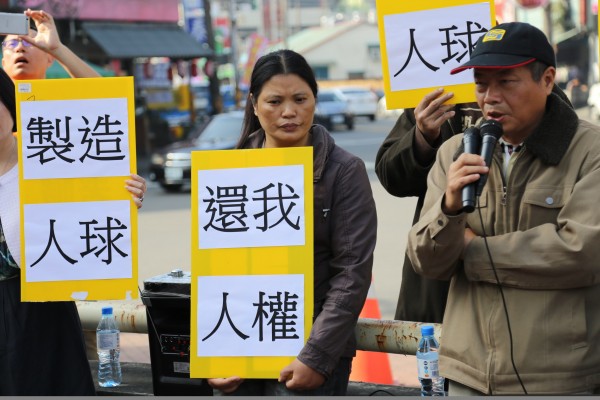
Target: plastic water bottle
(432,384)
(108,345)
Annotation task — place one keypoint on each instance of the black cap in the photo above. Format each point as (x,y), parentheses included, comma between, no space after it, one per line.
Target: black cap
(510,45)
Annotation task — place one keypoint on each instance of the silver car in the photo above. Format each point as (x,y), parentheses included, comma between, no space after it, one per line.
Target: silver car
(361,101)
(171,165)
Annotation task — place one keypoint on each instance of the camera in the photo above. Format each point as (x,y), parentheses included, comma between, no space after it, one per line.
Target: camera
(14,24)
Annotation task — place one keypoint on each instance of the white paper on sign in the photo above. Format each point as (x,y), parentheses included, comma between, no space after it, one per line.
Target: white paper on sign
(234,319)
(78,241)
(440,42)
(75,138)
(251,207)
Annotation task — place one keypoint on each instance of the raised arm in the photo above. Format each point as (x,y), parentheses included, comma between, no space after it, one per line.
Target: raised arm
(47,39)
(407,154)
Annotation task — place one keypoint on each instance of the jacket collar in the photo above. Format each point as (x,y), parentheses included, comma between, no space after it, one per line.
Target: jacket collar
(322,144)
(550,141)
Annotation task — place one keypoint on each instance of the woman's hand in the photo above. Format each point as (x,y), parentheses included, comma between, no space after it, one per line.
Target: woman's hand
(299,376)
(225,385)
(137,187)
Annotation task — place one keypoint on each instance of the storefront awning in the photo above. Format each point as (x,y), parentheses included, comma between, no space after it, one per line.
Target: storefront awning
(145,40)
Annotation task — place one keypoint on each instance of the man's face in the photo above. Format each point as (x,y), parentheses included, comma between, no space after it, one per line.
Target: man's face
(24,62)
(513,98)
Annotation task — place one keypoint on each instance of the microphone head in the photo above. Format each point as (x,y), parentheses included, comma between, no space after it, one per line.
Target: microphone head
(491,127)
(471,140)
(470,132)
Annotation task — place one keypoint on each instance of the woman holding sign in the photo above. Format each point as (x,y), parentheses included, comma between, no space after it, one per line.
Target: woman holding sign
(279,113)
(42,351)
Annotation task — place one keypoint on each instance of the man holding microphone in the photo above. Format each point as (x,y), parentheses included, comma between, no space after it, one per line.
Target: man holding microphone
(524,271)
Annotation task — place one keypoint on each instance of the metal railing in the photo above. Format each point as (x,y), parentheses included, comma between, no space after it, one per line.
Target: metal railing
(387,336)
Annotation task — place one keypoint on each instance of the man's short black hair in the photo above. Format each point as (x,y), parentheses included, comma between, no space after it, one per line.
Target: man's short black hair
(537,69)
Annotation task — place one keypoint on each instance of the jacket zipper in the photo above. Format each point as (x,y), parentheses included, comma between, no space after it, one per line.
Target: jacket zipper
(504,183)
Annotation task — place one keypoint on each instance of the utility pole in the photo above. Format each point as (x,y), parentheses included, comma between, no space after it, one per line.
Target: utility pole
(234,53)
(283,15)
(189,89)
(548,22)
(212,64)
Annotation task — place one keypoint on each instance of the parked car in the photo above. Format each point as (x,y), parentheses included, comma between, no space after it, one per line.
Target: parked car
(362,101)
(333,110)
(379,93)
(171,165)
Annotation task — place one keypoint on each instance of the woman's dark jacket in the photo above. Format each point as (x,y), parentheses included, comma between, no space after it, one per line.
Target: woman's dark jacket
(345,229)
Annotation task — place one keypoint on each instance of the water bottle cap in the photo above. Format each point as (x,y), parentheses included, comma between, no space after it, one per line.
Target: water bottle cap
(427,330)
(107,311)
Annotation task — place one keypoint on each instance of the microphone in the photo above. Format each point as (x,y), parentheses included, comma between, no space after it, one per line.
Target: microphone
(491,131)
(471,143)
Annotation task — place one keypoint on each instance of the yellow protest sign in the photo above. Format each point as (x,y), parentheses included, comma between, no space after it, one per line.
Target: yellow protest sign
(76,141)
(421,42)
(252,260)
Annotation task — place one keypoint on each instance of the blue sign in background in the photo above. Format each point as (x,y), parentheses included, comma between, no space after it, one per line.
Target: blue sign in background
(194,19)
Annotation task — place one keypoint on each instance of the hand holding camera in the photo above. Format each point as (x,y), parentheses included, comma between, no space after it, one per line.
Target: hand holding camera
(14,24)
(46,38)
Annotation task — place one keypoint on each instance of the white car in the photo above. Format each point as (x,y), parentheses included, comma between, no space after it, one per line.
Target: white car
(361,101)
(383,112)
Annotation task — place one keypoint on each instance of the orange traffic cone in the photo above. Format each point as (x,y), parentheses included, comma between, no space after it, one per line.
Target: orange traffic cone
(371,366)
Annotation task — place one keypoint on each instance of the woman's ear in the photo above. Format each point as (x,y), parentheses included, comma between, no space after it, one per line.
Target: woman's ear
(253,100)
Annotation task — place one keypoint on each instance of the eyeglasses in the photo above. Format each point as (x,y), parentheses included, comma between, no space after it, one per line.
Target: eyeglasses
(12,44)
